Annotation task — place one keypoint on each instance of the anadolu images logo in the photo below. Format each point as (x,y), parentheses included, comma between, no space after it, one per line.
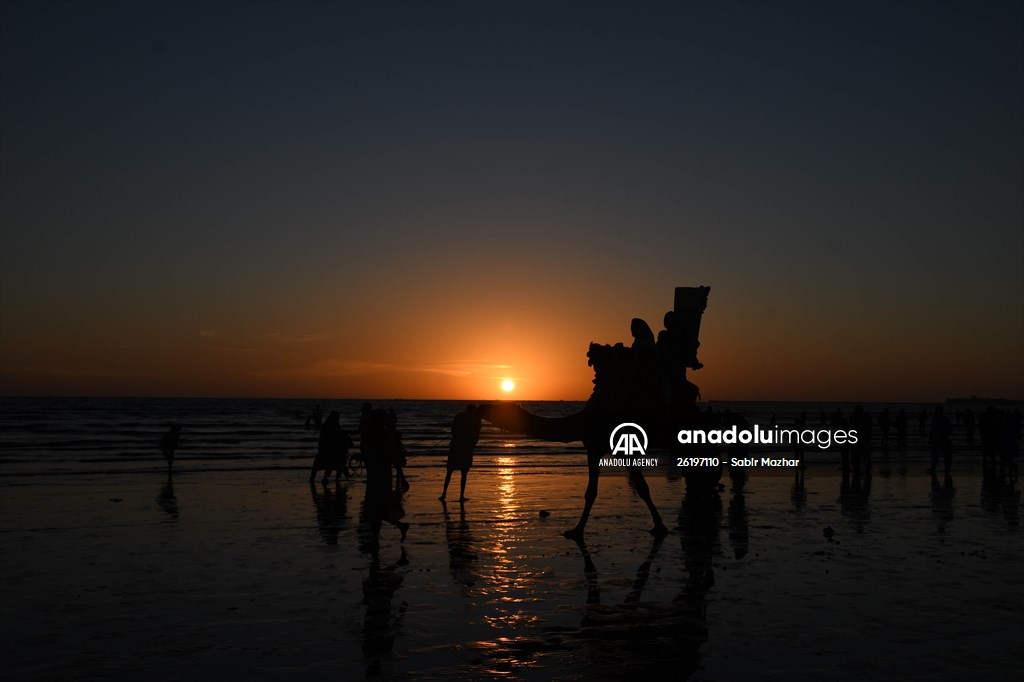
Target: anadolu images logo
(629,441)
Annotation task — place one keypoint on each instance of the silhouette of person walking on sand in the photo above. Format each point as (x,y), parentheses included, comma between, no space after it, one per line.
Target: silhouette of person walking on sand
(168,444)
(331,449)
(380,503)
(465,434)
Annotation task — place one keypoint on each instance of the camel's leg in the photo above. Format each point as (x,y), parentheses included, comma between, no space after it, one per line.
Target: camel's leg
(593,472)
(636,478)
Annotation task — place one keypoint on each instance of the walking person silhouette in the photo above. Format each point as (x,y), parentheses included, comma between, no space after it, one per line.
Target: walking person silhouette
(380,503)
(465,434)
(168,444)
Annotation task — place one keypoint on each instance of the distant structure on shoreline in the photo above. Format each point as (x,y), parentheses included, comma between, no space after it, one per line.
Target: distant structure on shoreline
(975,401)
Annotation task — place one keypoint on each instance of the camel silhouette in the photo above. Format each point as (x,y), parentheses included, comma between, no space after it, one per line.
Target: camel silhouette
(643,385)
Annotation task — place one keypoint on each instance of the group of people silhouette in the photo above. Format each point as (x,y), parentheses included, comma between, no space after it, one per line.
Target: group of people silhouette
(381,454)
(650,374)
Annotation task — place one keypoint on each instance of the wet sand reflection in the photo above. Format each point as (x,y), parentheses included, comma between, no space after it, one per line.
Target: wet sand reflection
(331,505)
(168,502)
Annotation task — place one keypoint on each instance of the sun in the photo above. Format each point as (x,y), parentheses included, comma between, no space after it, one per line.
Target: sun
(507,385)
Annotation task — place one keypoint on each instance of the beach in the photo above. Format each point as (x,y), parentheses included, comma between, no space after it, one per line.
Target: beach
(255,572)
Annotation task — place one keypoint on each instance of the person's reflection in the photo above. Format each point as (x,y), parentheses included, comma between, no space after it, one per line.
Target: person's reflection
(167,501)
(331,509)
(699,518)
(739,532)
(941,497)
(462,559)
(999,495)
(379,628)
(854,498)
(798,493)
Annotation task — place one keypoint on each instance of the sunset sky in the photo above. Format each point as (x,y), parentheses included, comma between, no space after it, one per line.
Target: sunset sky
(421,200)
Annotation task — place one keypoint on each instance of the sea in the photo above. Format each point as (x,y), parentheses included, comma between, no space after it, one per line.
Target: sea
(108,436)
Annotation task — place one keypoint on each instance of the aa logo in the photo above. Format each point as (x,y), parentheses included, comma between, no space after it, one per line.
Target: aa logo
(628,439)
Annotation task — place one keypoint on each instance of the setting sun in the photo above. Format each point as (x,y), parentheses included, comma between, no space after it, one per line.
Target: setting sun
(507,385)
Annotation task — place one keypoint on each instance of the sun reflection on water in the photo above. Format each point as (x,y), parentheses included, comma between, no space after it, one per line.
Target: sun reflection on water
(511,583)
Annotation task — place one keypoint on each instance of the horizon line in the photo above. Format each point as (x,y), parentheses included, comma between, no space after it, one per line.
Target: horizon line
(970,398)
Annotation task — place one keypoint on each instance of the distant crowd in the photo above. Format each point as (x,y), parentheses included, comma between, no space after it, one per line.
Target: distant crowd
(999,431)
(382,455)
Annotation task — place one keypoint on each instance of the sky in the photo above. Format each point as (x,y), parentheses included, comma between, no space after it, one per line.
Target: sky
(421,200)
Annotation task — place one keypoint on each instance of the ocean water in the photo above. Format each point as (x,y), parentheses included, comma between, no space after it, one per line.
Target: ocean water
(83,436)
(98,436)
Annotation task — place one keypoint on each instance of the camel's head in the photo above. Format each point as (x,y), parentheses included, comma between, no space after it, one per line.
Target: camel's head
(601,356)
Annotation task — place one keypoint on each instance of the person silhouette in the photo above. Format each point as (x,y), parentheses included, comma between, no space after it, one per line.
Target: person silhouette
(168,444)
(989,425)
(465,434)
(798,446)
(643,337)
(315,419)
(839,421)
(399,456)
(969,423)
(939,440)
(380,503)
(331,449)
(863,424)
(884,421)
(855,497)
(363,416)
(901,428)
(673,357)
(798,493)
(1009,434)
(649,376)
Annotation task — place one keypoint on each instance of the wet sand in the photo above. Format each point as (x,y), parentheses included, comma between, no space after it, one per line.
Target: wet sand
(254,573)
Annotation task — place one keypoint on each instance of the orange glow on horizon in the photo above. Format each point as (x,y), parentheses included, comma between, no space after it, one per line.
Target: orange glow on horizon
(461,343)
